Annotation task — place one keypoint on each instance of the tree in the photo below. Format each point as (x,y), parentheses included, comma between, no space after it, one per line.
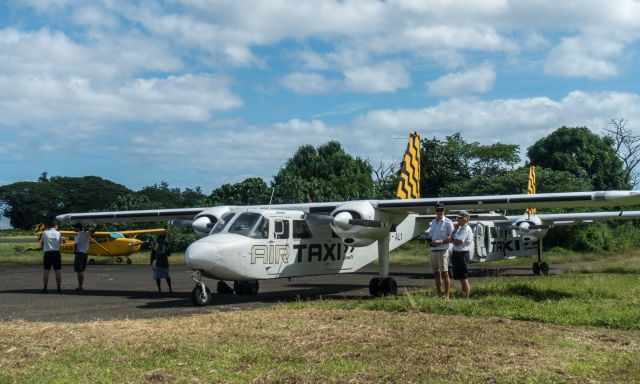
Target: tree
(627,146)
(385,180)
(450,165)
(327,173)
(251,191)
(583,154)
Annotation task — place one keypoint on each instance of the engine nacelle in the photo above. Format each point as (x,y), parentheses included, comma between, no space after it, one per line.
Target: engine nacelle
(357,224)
(530,226)
(205,220)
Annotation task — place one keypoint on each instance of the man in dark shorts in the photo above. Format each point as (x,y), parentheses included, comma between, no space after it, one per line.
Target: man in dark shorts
(50,241)
(462,245)
(82,240)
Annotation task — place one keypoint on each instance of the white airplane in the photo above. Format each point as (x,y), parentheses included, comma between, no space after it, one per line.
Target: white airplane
(245,244)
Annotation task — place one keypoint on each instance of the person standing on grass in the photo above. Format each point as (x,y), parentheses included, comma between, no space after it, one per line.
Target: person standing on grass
(82,240)
(462,245)
(50,243)
(440,232)
(160,262)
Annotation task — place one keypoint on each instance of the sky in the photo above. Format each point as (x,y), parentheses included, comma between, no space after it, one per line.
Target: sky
(207,92)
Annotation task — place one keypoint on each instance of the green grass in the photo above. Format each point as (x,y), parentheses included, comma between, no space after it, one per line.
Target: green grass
(285,345)
(601,300)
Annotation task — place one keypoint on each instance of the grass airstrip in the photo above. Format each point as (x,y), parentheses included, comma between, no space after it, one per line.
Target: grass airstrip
(579,326)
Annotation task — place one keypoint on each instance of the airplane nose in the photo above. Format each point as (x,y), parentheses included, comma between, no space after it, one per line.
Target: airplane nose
(199,253)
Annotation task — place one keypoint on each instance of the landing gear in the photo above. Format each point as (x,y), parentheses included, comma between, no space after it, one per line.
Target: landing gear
(383,285)
(386,286)
(247,287)
(200,295)
(92,261)
(119,260)
(540,267)
(129,261)
(224,288)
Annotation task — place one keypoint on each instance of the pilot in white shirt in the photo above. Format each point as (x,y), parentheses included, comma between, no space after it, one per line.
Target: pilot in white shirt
(440,232)
(462,246)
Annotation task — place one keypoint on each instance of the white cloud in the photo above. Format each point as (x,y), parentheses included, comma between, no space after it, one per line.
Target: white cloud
(184,98)
(475,80)
(308,83)
(518,121)
(585,56)
(384,77)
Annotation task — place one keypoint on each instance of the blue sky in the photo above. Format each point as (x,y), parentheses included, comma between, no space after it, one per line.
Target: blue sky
(205,92)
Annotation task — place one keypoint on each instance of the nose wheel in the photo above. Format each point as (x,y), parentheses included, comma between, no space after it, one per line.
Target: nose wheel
(200,295)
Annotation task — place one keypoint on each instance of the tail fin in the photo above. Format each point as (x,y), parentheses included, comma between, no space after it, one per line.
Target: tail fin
(409,186)
(531,187)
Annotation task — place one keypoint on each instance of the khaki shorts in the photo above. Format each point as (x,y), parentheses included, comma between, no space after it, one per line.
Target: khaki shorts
(440,260)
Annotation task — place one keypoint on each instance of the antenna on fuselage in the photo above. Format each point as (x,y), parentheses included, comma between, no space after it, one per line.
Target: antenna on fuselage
(273,191)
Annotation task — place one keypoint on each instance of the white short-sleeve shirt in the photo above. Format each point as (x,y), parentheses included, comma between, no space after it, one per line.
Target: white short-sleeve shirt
(465,234)
(82,241)
(440,230)
(51,239)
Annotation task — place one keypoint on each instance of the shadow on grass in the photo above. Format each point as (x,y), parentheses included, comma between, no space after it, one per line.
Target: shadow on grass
(524,290)
(611,270)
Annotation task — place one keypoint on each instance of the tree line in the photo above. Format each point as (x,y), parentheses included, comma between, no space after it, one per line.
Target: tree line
(568,159)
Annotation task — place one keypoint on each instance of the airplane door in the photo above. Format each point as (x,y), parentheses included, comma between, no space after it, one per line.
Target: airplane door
(279,245)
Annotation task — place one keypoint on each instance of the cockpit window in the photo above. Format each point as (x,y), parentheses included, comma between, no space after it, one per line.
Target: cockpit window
(116,235)
(245,223)
(262,229)
(222,223)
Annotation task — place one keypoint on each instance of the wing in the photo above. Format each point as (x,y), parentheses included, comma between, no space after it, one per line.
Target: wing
(401,207)
(587,217)
(157,231)
(153,215)
(543,200)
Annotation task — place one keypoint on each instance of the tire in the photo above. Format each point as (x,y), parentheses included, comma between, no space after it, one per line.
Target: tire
(200,298)
(544,268)
(389,287)
(246,288)
(92,261)
(119,260)
(536,268)
(129,261)
(375,287)
(223,288)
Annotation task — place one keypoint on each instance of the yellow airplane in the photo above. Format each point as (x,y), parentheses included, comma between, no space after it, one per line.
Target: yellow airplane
(119,244)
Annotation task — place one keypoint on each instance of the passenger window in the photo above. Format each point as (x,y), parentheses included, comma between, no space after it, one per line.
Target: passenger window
(281,229)
(301,230)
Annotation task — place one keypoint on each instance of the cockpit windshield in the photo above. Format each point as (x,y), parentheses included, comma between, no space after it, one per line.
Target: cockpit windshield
(245,223)
(224,220)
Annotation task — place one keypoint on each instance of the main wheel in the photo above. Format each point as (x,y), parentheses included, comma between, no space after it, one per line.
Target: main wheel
(536,268)
(200,297)
(129,261)
(224,288)
(249,288)
(119,260)
(544,268)
(389,287)
(374,286)
(92,261)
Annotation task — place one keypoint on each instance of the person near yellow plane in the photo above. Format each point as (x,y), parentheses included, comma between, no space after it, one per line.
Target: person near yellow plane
(82,240)
(50,242)
(160,262)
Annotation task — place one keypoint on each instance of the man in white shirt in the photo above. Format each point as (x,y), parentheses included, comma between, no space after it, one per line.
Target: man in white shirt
(50,241)
(440,232)
(462,245)
(82,240)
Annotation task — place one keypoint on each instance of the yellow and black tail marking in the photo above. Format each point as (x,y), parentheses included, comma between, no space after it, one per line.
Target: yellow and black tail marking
(531,186)
(409,186)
